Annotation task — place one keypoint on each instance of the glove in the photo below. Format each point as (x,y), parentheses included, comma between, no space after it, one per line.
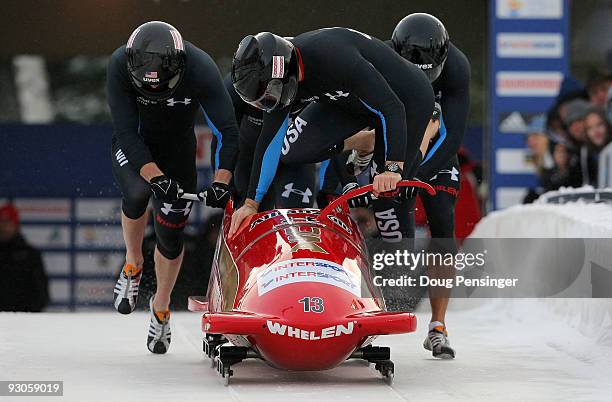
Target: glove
(217,195)
(361,201)
(437,112)
(165,189)
(404,193)
(324,198)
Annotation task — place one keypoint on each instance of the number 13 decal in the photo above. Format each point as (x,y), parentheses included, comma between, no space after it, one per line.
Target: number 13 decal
(312,304)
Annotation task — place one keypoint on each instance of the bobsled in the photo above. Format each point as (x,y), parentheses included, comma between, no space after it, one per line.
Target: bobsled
(294,288)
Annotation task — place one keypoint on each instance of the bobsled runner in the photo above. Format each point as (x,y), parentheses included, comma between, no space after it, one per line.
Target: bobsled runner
(293,287)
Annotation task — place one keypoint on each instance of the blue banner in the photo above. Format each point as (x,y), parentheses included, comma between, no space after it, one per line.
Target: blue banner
(528,47)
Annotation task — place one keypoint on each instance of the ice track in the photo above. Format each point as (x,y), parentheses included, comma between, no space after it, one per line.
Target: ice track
(505,351)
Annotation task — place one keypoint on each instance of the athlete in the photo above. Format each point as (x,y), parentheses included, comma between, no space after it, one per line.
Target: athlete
(423,40)
(353,81)
(156,85)
(292,187)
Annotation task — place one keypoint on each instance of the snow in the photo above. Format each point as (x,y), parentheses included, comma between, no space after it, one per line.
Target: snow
(572,220)
(506,350)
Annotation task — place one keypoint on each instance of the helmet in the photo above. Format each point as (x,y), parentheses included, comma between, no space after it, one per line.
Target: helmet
(156,59)
(422,39)
(265,71)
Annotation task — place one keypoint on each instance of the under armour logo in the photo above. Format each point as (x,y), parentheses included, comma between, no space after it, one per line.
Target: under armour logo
(305,194)
(454,174)
(172,102)
(339,94)
(167,208)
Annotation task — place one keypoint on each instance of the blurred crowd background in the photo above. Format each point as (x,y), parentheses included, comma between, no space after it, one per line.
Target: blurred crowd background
(56,186)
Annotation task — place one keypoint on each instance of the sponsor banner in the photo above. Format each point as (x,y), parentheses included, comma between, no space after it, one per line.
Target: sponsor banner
(47,236)
(528,59)
(98,236)
(307,270)
(513,161)
(94,291)
(528,83)
(56,263)
(530,45)
(99,209)
(509,196)
(538,9)
(99,263)
(516,122)
(59,290)
(43,209)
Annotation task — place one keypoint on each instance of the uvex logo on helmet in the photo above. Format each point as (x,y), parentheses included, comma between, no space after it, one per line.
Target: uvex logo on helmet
(156,59)
(151,77)
(424,66)
(422,40)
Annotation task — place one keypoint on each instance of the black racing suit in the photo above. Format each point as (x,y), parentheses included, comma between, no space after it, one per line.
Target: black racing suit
(440,166)
(353,81)
(163,132)
(292,187)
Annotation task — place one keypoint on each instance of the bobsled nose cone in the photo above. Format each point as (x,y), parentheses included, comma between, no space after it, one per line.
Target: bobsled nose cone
(308,348)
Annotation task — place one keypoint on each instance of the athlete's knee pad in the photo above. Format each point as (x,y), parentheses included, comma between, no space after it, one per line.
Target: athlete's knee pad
(135,199)
(441,217)
(170,221)
(393,218)
(440,208)
(135,191)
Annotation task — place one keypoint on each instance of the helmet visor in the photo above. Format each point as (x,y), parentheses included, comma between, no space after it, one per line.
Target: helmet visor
(270,98)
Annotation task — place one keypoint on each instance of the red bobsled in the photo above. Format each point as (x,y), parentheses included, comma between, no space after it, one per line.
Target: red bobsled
(293,287)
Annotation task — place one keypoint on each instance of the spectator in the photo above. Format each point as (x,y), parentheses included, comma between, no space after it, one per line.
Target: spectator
(557,155)
(24,284)
(598,136)
(598,130)
(538,143)
(573,113)
(571,89)
(597,87)
(609,104)
(540,146)
(566,170)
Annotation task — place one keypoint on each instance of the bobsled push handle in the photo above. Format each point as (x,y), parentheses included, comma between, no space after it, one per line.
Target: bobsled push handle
(192,196)
(229,207)
(367,188)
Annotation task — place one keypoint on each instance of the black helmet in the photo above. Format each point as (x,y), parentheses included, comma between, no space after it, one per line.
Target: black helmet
(265,71)
(422,39)
(156,59)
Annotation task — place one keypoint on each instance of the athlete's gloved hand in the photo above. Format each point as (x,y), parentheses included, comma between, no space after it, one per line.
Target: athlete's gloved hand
(361,201)
(437,112)
(217,195)
(324,198)
(404,193)
(165,189)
